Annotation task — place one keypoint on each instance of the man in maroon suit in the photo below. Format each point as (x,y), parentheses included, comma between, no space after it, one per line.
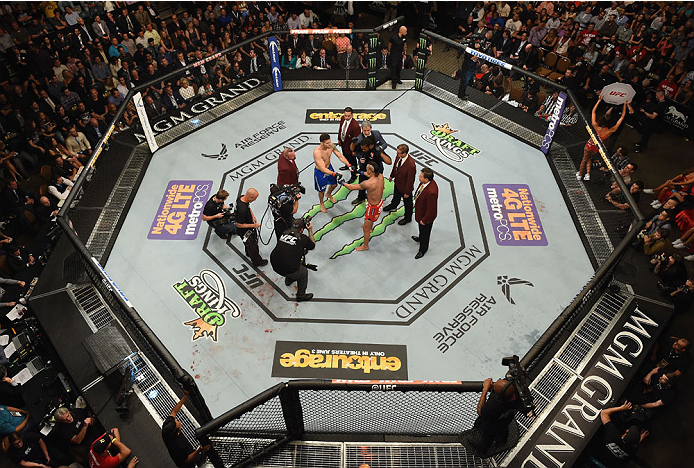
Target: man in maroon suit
(426,199)
(403,173)
(349,128)
(287,172)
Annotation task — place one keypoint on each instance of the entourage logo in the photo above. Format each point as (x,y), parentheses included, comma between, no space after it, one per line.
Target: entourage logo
(205,294)
(222,155)
(339,360)
(449,146)
(505,282)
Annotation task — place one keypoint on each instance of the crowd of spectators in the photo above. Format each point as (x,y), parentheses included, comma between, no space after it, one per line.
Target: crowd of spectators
(585,46)
(654,388)
(65,68)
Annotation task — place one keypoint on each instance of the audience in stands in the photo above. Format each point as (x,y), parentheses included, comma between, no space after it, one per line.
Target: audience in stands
(65,67)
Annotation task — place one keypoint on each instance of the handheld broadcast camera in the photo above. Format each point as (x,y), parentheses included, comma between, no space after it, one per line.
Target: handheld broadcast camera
(228,216)
(283,195)
(518,377)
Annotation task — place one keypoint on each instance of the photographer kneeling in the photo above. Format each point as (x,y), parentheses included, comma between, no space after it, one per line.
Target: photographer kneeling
(219,216)
(287,258)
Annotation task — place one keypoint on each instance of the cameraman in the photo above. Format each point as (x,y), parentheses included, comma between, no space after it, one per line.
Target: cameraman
(215,216)
(495,413)
(284,216)
(287,258)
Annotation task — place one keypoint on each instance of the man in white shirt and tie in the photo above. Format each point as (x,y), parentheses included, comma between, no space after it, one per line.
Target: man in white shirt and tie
(255,63)
(320,61)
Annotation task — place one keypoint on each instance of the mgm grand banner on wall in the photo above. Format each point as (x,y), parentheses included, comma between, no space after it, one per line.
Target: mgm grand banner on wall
(301,359)
(679,117)
(220,96)
(570,424)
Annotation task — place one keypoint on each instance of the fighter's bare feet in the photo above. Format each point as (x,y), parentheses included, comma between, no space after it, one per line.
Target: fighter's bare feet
(332,199)
(323,209)
(361,248)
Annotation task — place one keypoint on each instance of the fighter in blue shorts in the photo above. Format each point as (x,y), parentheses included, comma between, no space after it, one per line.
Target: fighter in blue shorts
(324,177)
(321,180)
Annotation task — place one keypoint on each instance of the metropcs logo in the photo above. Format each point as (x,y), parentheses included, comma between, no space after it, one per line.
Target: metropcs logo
(205,293)
(449,146)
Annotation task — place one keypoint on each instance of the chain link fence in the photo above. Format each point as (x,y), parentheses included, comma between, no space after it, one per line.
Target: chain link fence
(95,209)
(320,408)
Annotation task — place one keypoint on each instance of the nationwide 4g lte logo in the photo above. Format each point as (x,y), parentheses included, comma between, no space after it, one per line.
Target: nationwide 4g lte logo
(449,146)
(205,293)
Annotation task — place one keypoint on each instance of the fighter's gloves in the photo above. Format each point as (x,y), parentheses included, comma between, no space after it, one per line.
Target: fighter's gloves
(339,178)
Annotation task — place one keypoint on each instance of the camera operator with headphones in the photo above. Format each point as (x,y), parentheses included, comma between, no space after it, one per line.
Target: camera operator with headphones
(284,203)
(496,413)
(219,216)
(287,258)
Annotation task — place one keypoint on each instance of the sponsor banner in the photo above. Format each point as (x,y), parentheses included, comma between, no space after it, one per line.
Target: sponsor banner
(260,135)
(317,116)
(111,284)
(448,145)
(220,96)
(275,63)
(205,294)
(144,121)
(514,215)
(553,123)
(462,322)
(561,435)
(320,31)
(488,58)
(298,359)
(679,117)
(180,212)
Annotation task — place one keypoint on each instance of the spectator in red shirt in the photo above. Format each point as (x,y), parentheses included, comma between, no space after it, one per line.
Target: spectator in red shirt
(669,86)
(586,36)
(636,54)
(100,455)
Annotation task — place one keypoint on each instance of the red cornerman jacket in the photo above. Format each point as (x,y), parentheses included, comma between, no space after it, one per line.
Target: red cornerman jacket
(353,131)
(425,206)
(404,175)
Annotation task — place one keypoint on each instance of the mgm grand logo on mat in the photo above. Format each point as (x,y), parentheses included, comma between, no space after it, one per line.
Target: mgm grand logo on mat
(448,145)
(333,115)
(205,294)
(339,360)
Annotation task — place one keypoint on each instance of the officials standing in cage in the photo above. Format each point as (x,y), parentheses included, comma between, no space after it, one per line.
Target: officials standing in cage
(426,201)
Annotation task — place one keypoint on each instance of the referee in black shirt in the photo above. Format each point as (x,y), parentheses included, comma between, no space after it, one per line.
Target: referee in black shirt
(287,257)
(396,45)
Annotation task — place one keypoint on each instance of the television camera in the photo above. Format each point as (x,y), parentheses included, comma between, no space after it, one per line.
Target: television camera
(518,376)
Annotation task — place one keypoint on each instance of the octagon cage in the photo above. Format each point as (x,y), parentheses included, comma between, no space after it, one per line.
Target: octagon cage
(325,410)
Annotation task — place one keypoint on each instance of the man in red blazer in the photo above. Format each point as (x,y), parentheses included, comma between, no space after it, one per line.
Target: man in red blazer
(426,199)
(404,172)
(287,172)
(349,128)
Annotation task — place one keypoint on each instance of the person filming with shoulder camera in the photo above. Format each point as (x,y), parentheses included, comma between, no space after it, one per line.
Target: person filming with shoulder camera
(287,258)
(219,216)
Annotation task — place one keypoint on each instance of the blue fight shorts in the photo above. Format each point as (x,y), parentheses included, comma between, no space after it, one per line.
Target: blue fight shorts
(321,180)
